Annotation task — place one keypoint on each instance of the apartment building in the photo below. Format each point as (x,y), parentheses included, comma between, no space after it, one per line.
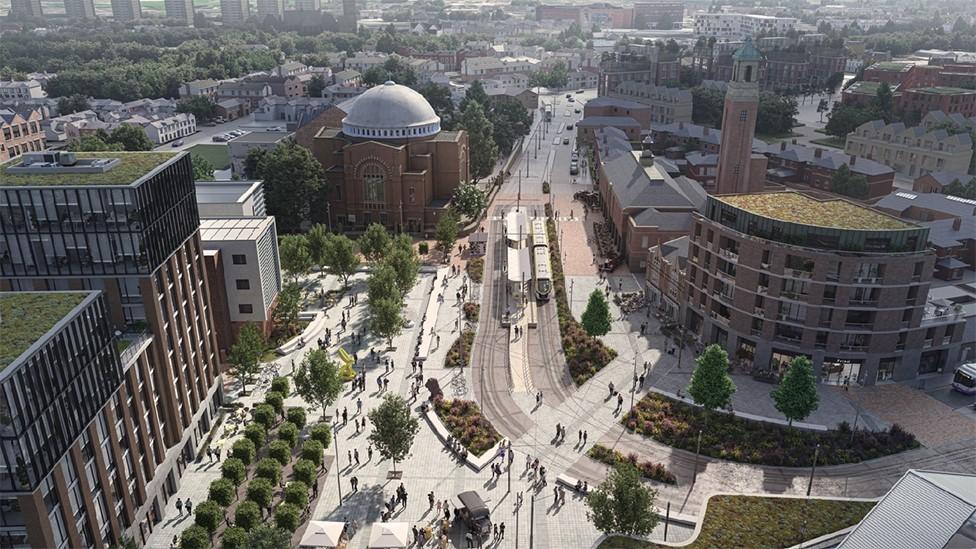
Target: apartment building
(180,10)
(668,105)
(125,226)
(22,90)
(640,63)
(270,8)
(79,9)
(206,88)
(20,133)
(741,25)
(816,166)
(234,12)
(243,268)
(126,10)
(253,92)
(474,68)
(773,276)
(911,151)
(921,101)
(171,128)
(665,278)
(26,8)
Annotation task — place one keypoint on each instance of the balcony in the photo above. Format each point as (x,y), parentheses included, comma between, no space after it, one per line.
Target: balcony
(862,326)
(759,311)
(729,254)
(796,296)
(853,347)
(832,277)
(900,347)
(866,280)
(797,273)
(730,278)
(863,301)
(789,338)
(762,290)
(718,317)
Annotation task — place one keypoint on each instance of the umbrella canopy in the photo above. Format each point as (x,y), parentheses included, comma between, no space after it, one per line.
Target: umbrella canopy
(389,535)
(321,533)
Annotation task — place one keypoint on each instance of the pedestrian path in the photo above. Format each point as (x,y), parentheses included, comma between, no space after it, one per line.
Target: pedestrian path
(518,356)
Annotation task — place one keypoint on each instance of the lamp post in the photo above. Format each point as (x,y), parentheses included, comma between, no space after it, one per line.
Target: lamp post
(335,437)
(813,470)
(694,477)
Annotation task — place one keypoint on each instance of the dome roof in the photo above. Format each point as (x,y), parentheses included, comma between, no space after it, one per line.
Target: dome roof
(391,111)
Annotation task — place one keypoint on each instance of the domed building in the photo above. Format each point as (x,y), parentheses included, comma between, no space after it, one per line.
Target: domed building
(387,161)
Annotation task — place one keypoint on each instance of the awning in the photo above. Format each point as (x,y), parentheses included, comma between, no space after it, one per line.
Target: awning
(321,533)
(389,535)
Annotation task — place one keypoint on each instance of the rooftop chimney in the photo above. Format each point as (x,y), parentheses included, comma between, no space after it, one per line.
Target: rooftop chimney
(817,152)
(782,145)
(647,158)
(853,160)
(957,224)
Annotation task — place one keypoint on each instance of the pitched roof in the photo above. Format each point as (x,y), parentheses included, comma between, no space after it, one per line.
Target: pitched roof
(638,186)
(946,177)
(607,101)
(899,201)
(829,159)
(615,121)
(923,510)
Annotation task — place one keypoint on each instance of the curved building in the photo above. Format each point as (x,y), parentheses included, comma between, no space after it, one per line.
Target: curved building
(387,161)
(772,276)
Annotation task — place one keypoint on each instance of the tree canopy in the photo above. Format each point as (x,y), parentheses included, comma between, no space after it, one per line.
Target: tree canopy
(482,150)
(340,257)
(596,317)
(292,180)
(393,428)
(796,396)
(621,504)
(711,386)
(469,200)
(317,379)
(245,354)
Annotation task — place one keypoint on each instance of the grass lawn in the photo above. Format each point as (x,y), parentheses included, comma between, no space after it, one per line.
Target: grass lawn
(763,522)
(725,436)
(834,142)
(218,155)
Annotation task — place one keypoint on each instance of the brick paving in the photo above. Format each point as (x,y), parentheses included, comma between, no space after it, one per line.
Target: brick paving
(934,424)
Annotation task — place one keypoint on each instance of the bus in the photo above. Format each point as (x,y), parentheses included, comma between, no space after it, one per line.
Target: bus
(964,380)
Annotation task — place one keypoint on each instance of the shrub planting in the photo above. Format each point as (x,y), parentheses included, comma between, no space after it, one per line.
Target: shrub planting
(233,470)
(725,436)
(471,311)
(280,451)
(322,432)
(305,471)
(464,420)
(476,269)
(648,469)
(296,416)
(459,355)
(585,355)
(296,493)
(223,491)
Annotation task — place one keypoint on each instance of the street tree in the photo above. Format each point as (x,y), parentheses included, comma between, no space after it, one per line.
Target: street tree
(317,379)
(316,85)
(264,536)
(510,121)
(317,239)
(711,386)
(245,354)
(131,137)
(596,318)
(476,93)
(796,397)
(72,104)
(289,304)
(406,266)
(292,180)
(482,150)
(446,231)
(340,257)
(848,183)
(469,200)
(375,242)
(195,537)
(296,260)
(203,170)
(93,143)
(386,319)
(394,428)
(621,504)
(200,106)
(382,284)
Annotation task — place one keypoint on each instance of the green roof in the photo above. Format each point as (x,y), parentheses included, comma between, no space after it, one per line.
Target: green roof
(864,87)
(26,316)
(943,90)
(792,207)
(131,167)
(891,66)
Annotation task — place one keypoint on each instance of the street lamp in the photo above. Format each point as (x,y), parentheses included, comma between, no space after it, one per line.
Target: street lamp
(697,451)
(816,454)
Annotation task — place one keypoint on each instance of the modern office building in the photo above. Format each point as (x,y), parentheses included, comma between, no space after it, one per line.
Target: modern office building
(79,9)
(270,8)
(739,169)
(26,8)
(124,224)
(180,10)
(741,25)
(234,12)
(126,10)
(773,276)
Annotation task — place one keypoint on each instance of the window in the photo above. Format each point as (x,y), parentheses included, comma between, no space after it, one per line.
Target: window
(245,308)
(243,284)
(239,259)
(743,116)
(374,190)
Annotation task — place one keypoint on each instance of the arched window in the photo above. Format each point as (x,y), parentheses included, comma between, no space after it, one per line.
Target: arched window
(748,73)
(374,184)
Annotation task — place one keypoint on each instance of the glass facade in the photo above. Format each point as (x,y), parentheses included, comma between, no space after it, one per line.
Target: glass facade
(49,399)
(97,230)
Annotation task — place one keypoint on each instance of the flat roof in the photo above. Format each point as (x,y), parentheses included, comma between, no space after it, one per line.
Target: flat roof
(943,90)
(218,229)
(261,137)
(26,316)
(220,192)
(793,207)
(132,166)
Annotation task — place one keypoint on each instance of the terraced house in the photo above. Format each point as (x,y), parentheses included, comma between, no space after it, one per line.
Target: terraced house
(124,229)
(912,151)
(20,133)
(773,276)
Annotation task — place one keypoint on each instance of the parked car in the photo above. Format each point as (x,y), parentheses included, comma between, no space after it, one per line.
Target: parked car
(219,138)
(569,126)
(579,91)
(177,143)
(475,514)
(565,141)
(569,95)
(572,99)
(577,111)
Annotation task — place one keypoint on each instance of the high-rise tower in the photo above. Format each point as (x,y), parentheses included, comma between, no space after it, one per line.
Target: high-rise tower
(79,9)
(126,10)
(26,8)
(738,171)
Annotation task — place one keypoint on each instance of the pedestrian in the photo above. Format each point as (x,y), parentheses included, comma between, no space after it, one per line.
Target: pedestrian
(416,536)
(355,454)
(386,384)
(345,416)
(438,506)
(641,381)
(189,506)
(359,405)
(369,452)
(579,437)
(584,436)
(430,500)
(379,383)
(179,506)
(357,426)
(620,401)
(349,453)
(501,529)
(494,531)
(559,430)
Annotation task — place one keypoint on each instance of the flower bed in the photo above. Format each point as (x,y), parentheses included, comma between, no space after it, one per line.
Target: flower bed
(476,269)
(465,422)
(733,438)
(648,469)
(585,355)
(459,355)
(752,521)
(471,311)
